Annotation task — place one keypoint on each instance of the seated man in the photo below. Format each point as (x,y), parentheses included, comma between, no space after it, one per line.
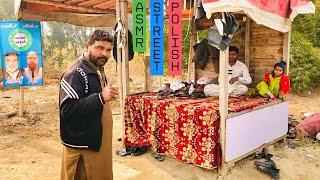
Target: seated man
(238,76)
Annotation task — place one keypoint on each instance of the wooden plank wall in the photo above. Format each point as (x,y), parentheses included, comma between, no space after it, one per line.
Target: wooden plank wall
(266,50)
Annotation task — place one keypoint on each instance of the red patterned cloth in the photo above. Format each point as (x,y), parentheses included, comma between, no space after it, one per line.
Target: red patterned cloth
(185,129)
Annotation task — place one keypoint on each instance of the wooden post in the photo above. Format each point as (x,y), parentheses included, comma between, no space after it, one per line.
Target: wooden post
(248,42)
(119,67)
(21,109)
(125,61)
(147,83)
(223,106)
(193,40)
(286,49)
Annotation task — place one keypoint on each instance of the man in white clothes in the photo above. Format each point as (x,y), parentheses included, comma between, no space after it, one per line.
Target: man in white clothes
(238,76)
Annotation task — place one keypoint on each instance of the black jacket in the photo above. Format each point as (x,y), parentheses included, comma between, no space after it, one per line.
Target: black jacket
(203,53)
(81,106)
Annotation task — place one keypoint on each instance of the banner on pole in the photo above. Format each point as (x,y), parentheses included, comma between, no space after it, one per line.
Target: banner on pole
(175,37)
(139,25)
(21,53)
(156,37)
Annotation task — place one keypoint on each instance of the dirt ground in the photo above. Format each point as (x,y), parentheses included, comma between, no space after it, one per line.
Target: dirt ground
(30,147)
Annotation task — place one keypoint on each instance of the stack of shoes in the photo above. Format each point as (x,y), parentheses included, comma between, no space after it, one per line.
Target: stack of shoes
(137,151)
(265,164)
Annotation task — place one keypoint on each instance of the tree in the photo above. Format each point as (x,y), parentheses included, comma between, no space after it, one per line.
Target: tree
(6,10)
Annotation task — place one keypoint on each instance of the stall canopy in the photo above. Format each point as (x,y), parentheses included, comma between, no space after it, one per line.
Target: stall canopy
(90,13)
(275,14)
(94,13)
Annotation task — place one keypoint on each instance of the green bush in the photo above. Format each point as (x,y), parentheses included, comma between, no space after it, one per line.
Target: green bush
(304,64)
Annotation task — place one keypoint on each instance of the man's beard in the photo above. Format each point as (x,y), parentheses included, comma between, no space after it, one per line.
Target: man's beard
(32,66)
(98,61)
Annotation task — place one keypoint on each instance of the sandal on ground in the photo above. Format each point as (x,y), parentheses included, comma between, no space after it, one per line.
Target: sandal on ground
(125,151)
(158,156)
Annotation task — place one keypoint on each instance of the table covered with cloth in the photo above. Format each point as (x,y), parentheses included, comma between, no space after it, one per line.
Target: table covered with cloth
(185,129)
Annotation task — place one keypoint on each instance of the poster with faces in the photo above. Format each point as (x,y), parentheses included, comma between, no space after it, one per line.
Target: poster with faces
(21,53)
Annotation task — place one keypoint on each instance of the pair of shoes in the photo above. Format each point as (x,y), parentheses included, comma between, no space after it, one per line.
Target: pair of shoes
(158,156)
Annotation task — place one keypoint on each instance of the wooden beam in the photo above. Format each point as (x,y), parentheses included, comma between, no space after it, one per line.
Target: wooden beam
(73,1)
(105,5)
(223,106)
(68,6)
(125,58)
(147,81)
(119,72)
(193,41)
(286,49)
(248,42)
(90,3)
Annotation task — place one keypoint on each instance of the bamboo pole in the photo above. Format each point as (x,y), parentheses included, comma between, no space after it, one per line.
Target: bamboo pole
(286,49)
(119,65)
(125,61)
(223,106)
(248,42)
(191,65)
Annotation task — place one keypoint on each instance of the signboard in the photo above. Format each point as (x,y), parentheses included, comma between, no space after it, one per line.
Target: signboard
(175,37)
(21,53)
(156,37)
(139,25)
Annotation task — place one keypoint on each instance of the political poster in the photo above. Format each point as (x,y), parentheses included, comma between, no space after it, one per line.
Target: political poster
(21,53)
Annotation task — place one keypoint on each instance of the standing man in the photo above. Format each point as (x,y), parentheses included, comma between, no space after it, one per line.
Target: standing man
(85,113)
(238,76)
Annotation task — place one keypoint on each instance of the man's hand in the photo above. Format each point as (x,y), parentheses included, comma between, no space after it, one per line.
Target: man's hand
(233,80)
(109,93)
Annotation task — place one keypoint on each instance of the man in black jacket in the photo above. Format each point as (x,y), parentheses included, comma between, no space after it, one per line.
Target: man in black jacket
(85,114)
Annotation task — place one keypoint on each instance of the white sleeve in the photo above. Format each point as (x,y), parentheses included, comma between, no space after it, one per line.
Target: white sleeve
(246,78)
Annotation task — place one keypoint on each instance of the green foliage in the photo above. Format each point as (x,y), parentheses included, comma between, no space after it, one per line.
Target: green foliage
(6,10)
(305,47)
(309,25)
(304,64)
(62,44)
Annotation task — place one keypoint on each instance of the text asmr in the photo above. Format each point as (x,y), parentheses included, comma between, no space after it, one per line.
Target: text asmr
(139,25)
(175,37)
(156,37)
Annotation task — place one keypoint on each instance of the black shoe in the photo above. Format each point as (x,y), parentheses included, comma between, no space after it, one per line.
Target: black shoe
(268,166)
(139,150)
(264,155)
(274,173)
